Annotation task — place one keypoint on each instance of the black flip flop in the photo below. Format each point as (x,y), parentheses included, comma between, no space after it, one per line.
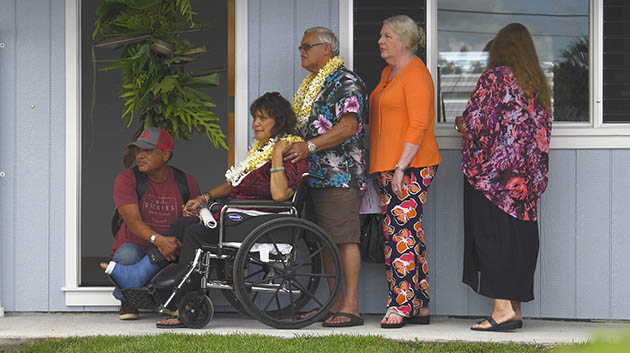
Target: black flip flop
(510,325)
(419,320)
(179,325)
(354,320)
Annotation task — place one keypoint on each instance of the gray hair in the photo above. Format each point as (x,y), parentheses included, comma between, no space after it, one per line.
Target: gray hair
(325,36)
(407,30)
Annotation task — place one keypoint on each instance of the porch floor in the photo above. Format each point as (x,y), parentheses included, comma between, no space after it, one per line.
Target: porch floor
(18,327)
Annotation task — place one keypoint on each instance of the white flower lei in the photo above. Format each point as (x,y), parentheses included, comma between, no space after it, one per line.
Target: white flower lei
(257,156)
(310,88)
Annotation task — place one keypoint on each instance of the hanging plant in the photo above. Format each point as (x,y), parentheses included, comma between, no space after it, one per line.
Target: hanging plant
(156,89)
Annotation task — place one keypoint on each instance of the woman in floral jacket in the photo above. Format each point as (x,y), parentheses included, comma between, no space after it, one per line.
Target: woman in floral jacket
(505,161)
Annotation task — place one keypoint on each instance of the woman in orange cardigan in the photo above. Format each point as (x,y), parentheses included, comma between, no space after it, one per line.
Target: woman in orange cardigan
(404,153)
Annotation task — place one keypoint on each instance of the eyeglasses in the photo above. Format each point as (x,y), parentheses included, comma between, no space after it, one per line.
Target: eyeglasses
(307,47)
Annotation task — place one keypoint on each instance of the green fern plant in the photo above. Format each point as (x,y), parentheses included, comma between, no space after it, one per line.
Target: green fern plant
(156,89)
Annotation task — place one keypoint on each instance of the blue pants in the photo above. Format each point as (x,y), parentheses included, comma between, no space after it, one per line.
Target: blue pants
(127,254)
(131,253)
(136,275)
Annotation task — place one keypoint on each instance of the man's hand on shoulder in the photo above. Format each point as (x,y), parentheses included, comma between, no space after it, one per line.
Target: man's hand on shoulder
(168,246)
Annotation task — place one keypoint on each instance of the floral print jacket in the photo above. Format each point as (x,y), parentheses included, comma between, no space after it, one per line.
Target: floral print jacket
(508,156)
(344,165)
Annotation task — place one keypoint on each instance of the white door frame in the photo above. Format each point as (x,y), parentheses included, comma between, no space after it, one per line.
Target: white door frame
(101,296)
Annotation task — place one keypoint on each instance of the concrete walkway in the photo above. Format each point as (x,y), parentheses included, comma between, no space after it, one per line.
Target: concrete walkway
(18,327)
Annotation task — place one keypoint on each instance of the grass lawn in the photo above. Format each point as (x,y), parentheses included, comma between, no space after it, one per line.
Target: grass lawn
(170,342)
(258,343)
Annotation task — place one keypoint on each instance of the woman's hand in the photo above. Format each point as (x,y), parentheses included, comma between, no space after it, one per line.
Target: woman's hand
(459,126)
(191,208)
(397,182)
(280,147)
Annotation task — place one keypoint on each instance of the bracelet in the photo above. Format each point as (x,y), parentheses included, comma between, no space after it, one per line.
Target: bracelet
(399,168)
(279,169)
(202,197)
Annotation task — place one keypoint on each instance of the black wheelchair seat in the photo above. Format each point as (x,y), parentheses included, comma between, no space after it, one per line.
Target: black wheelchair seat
(169,276)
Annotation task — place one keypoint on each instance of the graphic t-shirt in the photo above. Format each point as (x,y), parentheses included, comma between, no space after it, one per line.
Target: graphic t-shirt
(159,207)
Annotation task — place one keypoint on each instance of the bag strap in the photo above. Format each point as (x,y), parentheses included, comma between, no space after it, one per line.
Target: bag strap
(182,184)
(141,183)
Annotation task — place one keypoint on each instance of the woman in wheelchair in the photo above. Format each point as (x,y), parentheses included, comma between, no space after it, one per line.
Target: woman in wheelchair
(261,175)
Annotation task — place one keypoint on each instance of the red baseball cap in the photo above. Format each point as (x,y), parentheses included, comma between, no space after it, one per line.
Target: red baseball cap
(152,138)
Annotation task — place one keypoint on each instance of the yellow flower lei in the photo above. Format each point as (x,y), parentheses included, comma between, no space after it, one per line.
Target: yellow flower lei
(310,88)
(257,156)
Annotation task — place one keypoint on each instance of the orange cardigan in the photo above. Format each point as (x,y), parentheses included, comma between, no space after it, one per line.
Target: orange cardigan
(403,111)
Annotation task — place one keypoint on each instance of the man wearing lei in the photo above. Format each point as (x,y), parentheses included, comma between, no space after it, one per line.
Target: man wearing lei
(331,110)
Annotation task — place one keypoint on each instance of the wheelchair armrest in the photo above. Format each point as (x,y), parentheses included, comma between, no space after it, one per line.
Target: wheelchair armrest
(254,203)
(268,204)
(216,205)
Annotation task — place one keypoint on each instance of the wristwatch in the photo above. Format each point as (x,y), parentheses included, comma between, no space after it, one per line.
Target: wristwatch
(311,147)
(153,237)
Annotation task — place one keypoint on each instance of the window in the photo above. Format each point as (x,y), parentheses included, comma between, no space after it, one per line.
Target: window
(368,20)
(616,61)
(560,30)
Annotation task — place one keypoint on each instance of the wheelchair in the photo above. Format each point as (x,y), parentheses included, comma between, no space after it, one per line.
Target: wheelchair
(271,273)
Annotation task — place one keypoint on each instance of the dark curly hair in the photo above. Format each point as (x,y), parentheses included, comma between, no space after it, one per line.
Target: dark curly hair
(278,108)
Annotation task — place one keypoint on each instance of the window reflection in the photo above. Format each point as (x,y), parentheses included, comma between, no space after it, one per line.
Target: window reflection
(560,32)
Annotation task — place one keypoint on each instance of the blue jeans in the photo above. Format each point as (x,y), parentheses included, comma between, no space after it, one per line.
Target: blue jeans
(127,254)
(136,275)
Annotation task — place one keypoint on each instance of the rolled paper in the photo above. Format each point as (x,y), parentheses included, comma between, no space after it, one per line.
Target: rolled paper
(207,218)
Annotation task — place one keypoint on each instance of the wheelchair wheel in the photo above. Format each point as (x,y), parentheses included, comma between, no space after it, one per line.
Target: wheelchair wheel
(195,309)
(275,285)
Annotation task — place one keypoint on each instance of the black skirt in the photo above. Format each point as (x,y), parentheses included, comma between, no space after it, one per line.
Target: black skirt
(500,251)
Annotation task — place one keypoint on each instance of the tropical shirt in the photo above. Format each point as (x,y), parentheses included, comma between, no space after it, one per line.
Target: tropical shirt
(344,165)
(508,156)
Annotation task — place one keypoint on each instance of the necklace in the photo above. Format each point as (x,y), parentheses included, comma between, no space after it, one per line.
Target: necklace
(257,156)
(310,88)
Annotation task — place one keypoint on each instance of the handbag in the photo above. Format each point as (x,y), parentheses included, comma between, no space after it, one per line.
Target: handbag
(372,245)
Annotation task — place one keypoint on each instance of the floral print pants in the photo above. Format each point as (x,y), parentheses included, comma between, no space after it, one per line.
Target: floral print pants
(405,249)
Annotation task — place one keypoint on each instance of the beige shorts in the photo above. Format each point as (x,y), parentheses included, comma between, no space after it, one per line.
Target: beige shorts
(337,211)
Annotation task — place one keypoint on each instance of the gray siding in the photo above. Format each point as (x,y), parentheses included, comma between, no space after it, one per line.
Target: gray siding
(7,150)
(584,217)
(32,76)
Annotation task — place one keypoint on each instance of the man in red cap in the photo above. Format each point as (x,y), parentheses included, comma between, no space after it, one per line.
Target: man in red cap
(146,220)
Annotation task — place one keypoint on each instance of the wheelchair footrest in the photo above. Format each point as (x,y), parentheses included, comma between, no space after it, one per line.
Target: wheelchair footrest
(140,298)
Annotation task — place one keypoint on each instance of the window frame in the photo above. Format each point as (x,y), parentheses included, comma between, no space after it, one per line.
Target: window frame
(594,134)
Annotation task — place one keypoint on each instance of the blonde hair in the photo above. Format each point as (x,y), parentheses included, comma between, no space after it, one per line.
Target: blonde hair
(513,47)
(407,30)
